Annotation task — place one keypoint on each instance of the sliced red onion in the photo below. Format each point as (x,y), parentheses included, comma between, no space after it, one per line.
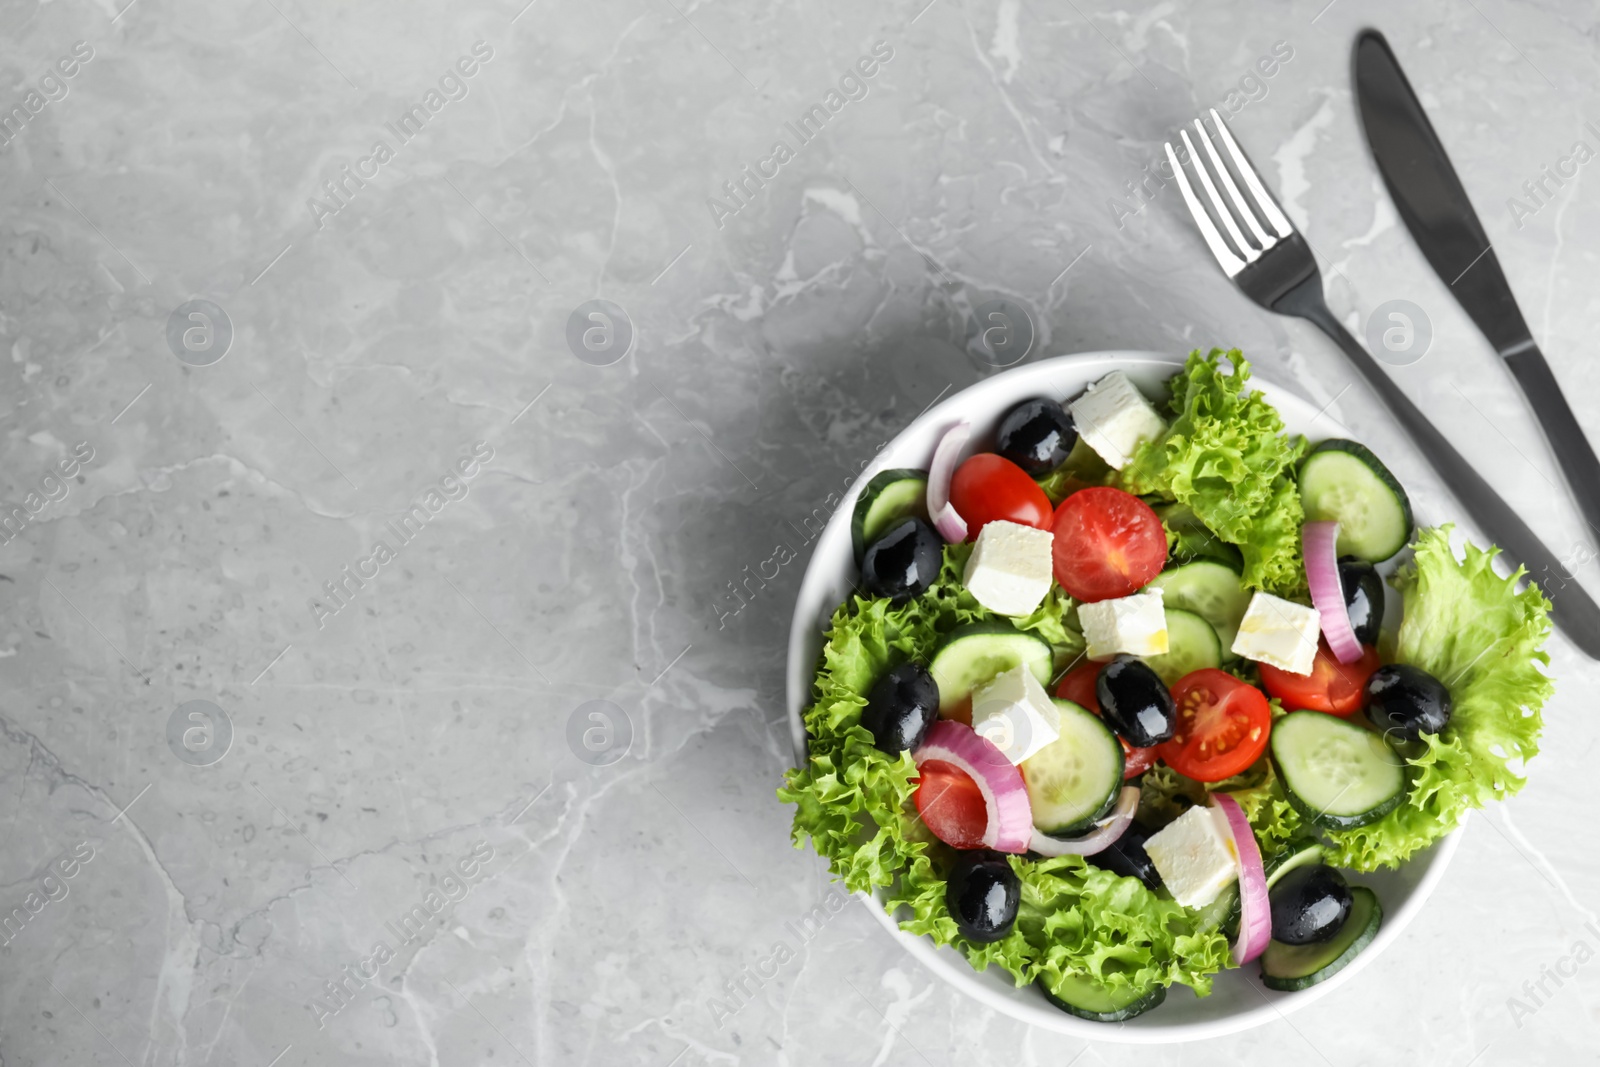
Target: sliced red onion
(1110,831)
(1005,795)
(1319,542)
(951,526)
(1255,913)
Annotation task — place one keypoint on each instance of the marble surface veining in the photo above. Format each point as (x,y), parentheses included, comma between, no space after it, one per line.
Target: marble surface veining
(402,688)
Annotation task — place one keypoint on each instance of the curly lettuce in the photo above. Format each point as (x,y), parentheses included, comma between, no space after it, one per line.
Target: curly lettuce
(1470,628)
(1226,457)
(853,803)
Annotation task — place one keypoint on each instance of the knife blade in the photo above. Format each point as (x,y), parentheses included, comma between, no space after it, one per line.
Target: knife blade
(1434,206)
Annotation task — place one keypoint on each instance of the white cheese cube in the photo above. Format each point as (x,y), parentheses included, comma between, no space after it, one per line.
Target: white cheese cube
(1015,714)
(1134,624)
(1114,418)
(1279,632)
(1010,569)
(1195,855)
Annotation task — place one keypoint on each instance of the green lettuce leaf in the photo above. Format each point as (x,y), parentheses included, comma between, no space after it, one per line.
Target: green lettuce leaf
(1471,629)
(1226,457)
(854,805)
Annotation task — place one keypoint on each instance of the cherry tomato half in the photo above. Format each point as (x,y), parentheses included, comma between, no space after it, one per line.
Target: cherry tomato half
(1223,725)
(1108,544)
(988,487)
(1334,687)
(1077,685)
(951,804)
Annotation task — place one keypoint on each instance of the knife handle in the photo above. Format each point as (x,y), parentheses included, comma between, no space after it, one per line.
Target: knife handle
(1566,437)
(1570,606)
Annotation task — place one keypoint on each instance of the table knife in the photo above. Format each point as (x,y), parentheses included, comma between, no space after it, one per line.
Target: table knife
(1434,206)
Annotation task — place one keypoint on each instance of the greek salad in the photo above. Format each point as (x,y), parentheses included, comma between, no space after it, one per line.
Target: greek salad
(1123,701)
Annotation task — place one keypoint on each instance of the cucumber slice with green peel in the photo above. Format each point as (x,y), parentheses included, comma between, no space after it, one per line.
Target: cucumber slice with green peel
(889,496)
(1337,775)
(1301,852)
(1076,778)
(1212,591)
(1089,999)
(1293,967)
(1222,913)
(974,654)
(1192,643)
(1345,482)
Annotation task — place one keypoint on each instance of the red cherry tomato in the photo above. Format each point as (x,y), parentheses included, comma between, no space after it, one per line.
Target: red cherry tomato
(1223,726)
(951,804)
(1078,686)
(989,487)
(1336,688)
(1108,544)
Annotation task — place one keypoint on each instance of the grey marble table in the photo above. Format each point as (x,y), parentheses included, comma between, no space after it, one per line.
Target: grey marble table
(392,652)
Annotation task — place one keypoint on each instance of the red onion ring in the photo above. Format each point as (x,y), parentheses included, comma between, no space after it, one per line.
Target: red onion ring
(1319,541)
(951,526)
(1255,911)
(1005,795)
(1110,831)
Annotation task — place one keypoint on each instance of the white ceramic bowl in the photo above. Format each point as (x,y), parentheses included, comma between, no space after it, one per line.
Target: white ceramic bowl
(1239,1000)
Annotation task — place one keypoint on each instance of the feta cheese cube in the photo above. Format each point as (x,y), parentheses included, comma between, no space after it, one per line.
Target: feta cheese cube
(1114,418)
(1195,855)
(1279,632)
(1010,569)
(1015,714)
(1134,624)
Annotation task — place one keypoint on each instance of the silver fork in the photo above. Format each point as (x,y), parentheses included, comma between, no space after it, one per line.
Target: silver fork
(1274,267)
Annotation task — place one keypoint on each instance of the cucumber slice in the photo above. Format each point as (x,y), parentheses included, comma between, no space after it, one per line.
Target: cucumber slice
(1192,643)
(1212,591)
(1222,913)
(1080,995)
(1342,480)
(973,654)
(1076,778)
(1293,967)
(1301,852)
(1193,540)
(890,495)
(1336,774)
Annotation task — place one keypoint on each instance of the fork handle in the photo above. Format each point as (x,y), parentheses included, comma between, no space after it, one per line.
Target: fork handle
(1571,607)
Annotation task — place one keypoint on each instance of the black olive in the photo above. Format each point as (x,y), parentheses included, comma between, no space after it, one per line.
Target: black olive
(1363,597)
(982,893)
(1128,858)
(1135,702)
(901,707)
(1036,435)
(1406,702)
(1309,904)
(903,562)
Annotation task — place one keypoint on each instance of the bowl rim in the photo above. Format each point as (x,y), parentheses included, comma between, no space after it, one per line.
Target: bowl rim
(946,962)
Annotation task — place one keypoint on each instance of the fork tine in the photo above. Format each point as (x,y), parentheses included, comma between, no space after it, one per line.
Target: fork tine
(1230,263)
(1245,247)
(1269,204)
(1249,216)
